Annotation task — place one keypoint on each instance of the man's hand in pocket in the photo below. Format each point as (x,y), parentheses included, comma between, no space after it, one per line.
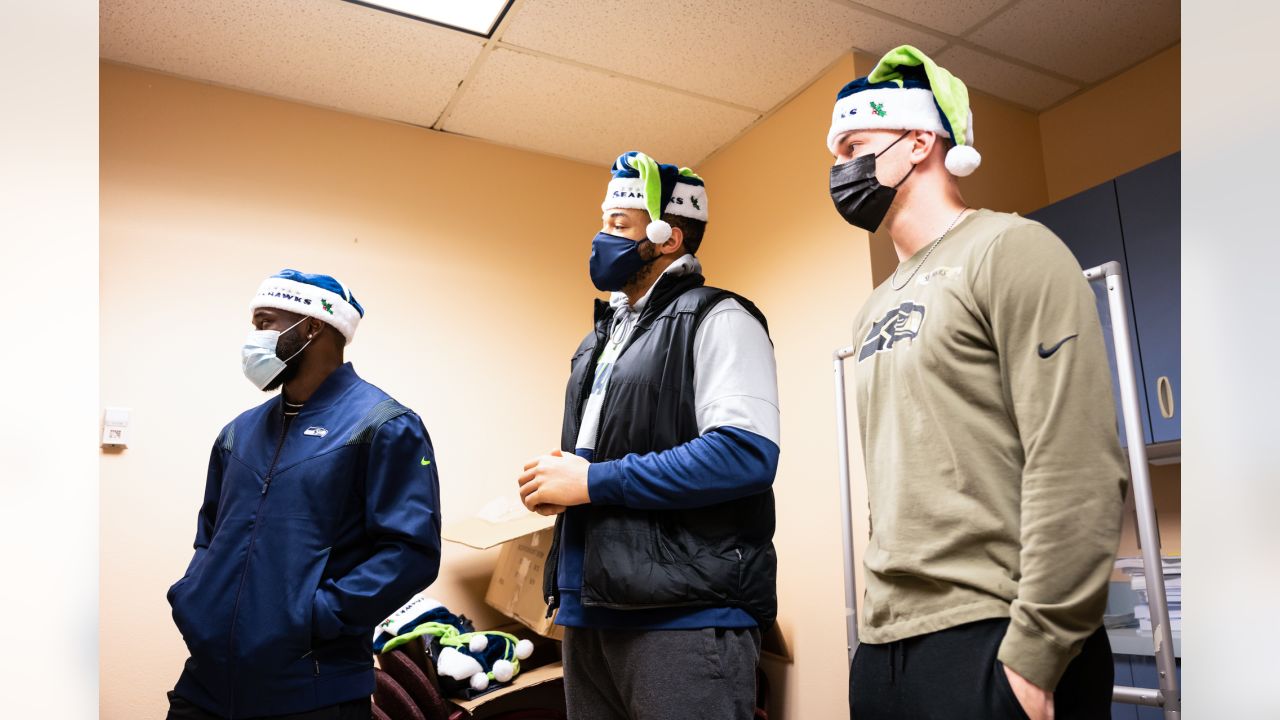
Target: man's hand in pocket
(1036,702)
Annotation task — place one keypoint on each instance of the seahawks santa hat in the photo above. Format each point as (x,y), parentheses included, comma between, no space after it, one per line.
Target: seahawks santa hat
(642,183)
(313,295)
(909,91)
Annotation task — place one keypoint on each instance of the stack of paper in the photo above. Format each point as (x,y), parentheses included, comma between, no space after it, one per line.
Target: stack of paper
(1172,571)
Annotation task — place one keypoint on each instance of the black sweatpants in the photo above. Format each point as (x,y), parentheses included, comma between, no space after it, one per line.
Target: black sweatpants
(708,674)
(954,675)
(182,709)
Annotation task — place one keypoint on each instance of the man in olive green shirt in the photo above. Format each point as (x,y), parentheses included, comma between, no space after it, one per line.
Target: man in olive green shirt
(995,476)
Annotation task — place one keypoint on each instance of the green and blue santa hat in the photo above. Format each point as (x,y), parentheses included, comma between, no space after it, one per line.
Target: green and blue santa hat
(909,91)
(641,183)
(318,296)
(467,661)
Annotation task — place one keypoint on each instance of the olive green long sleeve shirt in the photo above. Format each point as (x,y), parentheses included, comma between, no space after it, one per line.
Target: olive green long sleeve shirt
(995,476)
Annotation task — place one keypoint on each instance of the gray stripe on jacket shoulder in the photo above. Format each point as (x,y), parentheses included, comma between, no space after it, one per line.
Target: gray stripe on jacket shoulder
(378,415)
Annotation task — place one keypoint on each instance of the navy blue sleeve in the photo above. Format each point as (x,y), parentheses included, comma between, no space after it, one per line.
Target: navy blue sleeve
(402,516)
(207,518)
(722,465)
(208,515)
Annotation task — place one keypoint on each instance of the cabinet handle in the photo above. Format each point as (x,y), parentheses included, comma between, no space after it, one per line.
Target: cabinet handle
(1164,392)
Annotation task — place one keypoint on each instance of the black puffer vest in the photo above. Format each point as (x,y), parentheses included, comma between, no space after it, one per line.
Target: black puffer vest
(716,556)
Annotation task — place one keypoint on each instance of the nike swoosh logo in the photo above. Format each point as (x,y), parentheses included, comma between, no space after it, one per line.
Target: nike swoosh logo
(425,462)
(1046,353)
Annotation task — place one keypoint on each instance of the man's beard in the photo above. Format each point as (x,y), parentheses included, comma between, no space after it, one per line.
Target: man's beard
(641,276)
(287,375)
(286,348)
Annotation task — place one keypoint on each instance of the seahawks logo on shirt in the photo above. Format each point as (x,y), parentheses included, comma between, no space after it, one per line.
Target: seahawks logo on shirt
(901,323)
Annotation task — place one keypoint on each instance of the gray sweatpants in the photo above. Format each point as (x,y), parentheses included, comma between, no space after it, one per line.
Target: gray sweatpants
(709,674)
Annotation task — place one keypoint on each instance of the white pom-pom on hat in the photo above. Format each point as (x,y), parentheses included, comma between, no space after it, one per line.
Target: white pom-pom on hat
(479,643)
(962,160)
(524,649)
(503,671)
(658,231)
(457,665)
(480,682)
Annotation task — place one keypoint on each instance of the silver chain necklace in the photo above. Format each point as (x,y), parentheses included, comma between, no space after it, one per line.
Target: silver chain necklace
(893,280)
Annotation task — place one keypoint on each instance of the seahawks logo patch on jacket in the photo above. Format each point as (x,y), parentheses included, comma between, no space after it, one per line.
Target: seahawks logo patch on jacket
(900,323)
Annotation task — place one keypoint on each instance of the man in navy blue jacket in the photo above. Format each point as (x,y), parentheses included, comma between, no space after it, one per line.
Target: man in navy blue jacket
(321,516)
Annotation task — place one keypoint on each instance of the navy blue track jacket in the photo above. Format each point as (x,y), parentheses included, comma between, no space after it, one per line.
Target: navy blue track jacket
(308,538)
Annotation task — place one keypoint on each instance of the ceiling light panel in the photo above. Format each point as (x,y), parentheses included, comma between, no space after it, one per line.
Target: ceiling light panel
(478,17)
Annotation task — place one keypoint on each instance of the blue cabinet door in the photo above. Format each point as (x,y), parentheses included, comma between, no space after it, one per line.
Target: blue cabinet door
(1089,224)
(1124,678)
(1150,217)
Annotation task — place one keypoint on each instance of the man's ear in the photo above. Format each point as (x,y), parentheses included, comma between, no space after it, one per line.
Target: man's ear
(923,144)
(675,243)
(314,326)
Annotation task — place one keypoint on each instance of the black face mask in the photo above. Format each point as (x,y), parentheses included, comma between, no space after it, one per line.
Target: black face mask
(860,199)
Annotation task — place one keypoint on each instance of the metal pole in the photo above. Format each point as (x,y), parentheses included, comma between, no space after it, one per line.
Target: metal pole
(1148,528)
(1138,696)
(846,527)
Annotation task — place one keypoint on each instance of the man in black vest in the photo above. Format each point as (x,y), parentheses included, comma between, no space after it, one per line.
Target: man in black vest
(662,567)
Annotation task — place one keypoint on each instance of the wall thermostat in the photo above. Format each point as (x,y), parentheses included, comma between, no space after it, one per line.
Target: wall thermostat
(115,427)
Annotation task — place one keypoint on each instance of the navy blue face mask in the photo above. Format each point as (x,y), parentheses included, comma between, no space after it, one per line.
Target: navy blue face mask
(615,260)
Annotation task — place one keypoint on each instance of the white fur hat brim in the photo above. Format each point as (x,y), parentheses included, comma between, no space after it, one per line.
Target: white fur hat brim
(889,109)
(309,300)
(687,200)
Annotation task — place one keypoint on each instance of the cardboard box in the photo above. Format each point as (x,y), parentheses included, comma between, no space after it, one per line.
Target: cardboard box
(547,694)
(539,684)
(773,645)
(515,589)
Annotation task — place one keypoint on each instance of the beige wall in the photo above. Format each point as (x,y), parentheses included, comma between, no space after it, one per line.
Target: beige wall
(1121,125)
(1166,488)
(1012,175)
(470,258)
(775,237)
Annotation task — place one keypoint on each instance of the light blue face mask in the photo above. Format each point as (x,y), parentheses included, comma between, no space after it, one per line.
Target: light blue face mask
(258,356)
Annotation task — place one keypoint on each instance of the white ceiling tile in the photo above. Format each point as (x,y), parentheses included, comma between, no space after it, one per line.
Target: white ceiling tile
(554,107)
(949,16)
(325,52)
(1002,79)
(753,53)
(1085,39)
